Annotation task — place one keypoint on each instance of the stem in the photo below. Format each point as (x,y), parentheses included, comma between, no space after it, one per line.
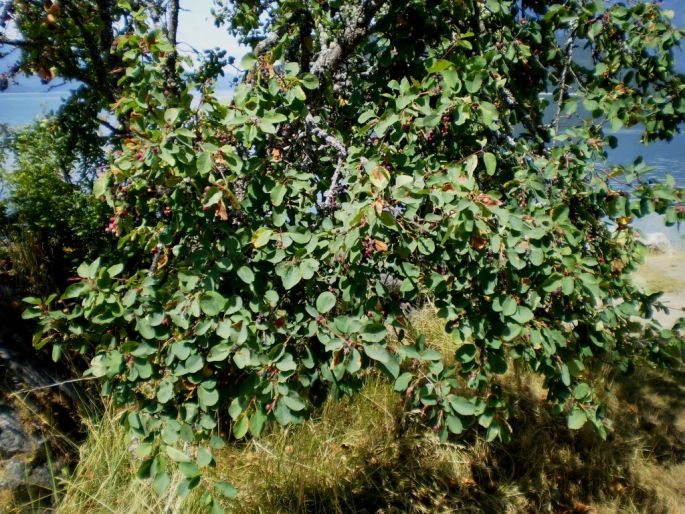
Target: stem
(563,87)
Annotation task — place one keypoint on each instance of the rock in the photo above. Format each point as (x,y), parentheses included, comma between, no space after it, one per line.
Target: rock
(13,437)
(22,481)
(658,242)
(35,405)
(12,473)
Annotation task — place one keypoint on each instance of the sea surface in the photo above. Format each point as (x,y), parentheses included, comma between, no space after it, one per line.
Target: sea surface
(664,157)
(23,108)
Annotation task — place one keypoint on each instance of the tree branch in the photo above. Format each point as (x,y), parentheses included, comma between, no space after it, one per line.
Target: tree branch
(332,191)
(563,87)
(14,42)
(322,134)
(94,51)
(265,44)
(329,58)
(173,8)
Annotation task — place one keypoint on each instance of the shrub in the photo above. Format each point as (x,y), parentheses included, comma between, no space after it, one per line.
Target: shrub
(375,153)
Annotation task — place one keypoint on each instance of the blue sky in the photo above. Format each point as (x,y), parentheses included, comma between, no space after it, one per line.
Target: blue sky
(196,28)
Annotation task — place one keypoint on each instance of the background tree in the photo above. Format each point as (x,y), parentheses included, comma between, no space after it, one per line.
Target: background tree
(377,153)
(75,41)
(49,223)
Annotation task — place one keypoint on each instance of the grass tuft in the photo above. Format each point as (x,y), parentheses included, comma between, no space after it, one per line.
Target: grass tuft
(361,455)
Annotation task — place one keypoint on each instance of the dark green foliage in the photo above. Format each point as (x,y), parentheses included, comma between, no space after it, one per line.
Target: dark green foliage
(42,208)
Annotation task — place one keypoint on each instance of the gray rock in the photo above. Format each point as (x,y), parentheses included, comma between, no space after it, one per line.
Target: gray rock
(658,242)
(13,437)
(40,476)
(13,473)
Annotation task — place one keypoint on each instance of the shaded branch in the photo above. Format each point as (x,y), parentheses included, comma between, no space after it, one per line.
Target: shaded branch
(94,51)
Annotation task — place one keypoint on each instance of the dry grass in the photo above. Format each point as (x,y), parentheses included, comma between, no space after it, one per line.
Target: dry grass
(105,482)
(363,455)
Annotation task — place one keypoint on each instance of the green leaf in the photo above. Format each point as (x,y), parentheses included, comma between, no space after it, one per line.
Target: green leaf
(440,65)
(294,404)
(277,194)
(470,164)
(509,306)
(462,406)
(189,469)
(576,419)
(565,375)
(325,302)
(310,81)
(291,277)
(380,177)
(403,381)
(287,363)
(454,424)
(582,391)
(490,163)
(257,422)
(240,427)
(466,353)
(377,352)
(101,185)
(161,483)
(88,270)
(242,358)
(246,275)
(177,455)
(248,61)
(115,270)
(261,237)
(171,115)
(226,489)
(473,84)
(374,332)
(366,116)
(383,124)
(165,392)
(308,268)
(523,315)
(221,351)
(207,397)
(204,457)
(212,303)
(204,163)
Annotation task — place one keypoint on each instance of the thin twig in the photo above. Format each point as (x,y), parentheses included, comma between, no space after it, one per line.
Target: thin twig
(564,75)
(56,384)
(155,261)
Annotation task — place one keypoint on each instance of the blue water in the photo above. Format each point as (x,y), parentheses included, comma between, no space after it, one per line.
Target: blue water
(23,108)
(665,157)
